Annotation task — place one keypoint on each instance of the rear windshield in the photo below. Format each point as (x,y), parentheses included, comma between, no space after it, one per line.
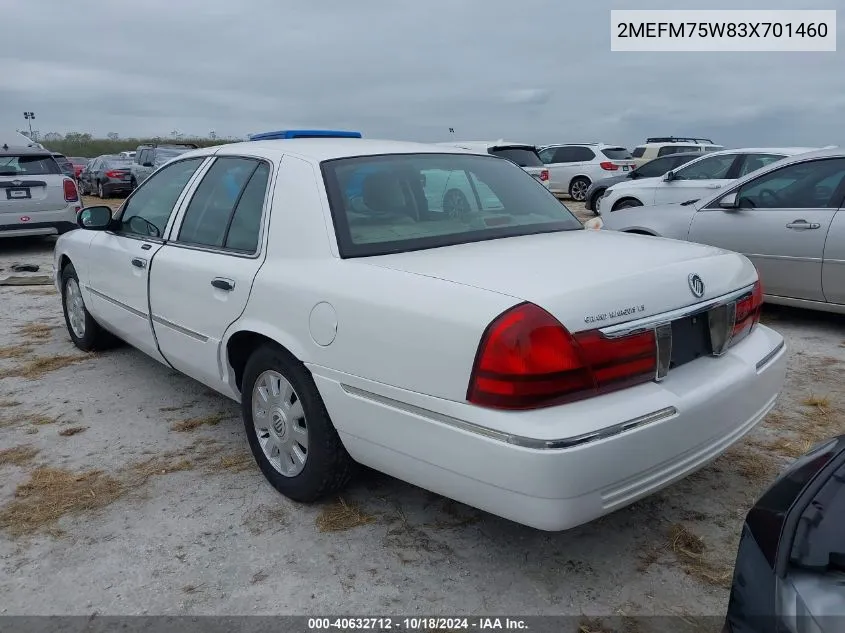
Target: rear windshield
(617,153)
(522,156)
(118,163)
(638,152)
(28,166)
(405,202)
(164,154)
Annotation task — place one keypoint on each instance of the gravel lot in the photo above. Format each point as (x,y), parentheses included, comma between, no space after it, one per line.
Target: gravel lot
(126,488)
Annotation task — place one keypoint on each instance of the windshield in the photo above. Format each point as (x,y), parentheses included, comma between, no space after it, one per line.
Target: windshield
(28,166)
(617,153)
(404,202)
(522,156)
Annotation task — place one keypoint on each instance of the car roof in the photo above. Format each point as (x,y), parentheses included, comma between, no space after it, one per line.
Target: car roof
(19,150)
(321,149)
(598,145)
(483,146)
(786,151)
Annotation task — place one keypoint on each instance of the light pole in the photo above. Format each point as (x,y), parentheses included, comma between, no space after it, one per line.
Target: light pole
(29,116)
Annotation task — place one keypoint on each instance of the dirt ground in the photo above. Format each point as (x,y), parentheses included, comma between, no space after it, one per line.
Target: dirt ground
(126,488)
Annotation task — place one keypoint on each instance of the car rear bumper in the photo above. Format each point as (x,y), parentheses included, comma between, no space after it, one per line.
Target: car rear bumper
(620,447)
(39,222)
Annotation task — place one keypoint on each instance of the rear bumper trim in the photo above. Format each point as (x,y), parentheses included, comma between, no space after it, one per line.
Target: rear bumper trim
(517,440)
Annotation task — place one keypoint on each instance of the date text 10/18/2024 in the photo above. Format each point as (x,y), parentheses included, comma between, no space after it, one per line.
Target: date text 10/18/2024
(416,624)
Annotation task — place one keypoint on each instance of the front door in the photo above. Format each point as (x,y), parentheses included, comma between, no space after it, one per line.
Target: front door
(781,224)
(121,258)
(201,279)
(701,178)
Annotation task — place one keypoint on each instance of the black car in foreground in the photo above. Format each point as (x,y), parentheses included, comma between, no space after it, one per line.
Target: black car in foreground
(651,169)
(790,566)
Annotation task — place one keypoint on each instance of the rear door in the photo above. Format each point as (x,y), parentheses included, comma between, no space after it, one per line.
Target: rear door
(120,259)
(699,179)
(781,225)
(29,183)
(201,279)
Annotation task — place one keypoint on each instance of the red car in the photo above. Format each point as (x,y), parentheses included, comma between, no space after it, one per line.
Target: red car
(79,164)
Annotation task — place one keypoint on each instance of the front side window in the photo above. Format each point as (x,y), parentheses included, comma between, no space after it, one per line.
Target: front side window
(404,202)
(146,213)
(711,168)
(816,184)
(210,213)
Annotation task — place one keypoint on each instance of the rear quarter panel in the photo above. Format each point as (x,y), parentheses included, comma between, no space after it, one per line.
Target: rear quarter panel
(672,222)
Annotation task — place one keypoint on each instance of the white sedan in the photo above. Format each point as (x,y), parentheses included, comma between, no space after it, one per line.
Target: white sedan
(320,283)
(699,178)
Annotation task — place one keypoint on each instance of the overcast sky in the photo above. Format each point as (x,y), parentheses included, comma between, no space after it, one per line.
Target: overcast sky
(526,70)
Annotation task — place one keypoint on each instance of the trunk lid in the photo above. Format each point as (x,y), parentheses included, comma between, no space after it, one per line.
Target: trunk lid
(30,181)
(586,279)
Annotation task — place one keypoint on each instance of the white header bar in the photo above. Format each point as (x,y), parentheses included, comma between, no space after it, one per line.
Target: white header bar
(723,30)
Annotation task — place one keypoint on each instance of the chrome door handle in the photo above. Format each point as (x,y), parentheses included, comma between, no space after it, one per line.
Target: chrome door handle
(223,284)
(802,225)
(139,263)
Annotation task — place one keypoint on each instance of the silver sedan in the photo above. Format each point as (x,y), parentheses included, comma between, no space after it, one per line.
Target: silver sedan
(788,218)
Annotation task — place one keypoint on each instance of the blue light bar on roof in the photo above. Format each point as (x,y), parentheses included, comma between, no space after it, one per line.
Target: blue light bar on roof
(282,134)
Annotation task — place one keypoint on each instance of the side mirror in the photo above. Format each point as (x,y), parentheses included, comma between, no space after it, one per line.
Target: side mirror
(147,164)
(669,177)
(791,554)
(730,201)
(95,218)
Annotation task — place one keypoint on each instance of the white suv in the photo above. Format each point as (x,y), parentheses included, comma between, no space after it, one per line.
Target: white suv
(697,179)
(658,146)
(36,198)
(573,167)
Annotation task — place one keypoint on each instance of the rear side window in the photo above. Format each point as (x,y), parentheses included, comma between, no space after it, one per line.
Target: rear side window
(617,153)
(522,156)
(676,149)
(638,152)
(220,194)
(28,166)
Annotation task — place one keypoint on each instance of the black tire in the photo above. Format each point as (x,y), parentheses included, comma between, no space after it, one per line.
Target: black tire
(80,184)
(627,203)
(94,337)
(578,188)
(133,184)
(102,191)
(594,200)
(328,467)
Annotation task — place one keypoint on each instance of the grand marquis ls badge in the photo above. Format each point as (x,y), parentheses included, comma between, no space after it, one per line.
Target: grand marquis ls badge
(696,285)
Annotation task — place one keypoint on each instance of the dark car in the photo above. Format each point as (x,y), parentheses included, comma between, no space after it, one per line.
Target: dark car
(64,164)
(106,176)
(79,163)
(651,169)
(790,567)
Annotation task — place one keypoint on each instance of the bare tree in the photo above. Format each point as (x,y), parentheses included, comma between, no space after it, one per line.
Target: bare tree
(53,136)
(113,136)
(212,135)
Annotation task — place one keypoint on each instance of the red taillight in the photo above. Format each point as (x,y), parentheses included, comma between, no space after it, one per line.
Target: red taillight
(116,173)
(544,175)
(747,313)
(71,194)
(608,166)
(527,359)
